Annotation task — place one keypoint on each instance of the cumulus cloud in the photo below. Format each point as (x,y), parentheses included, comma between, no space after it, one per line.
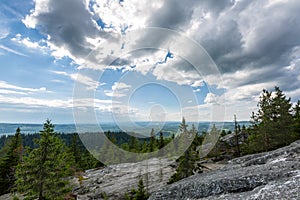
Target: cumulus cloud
(67,24)
(211,98)
(118,89)
(255,44)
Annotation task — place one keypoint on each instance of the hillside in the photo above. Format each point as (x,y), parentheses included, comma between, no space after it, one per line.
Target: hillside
(269,175)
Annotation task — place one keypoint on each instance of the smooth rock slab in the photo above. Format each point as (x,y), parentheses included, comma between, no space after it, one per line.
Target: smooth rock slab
(270,175)
(116,180)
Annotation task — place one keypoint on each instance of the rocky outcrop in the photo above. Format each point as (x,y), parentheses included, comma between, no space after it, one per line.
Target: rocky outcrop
(270,175)
(115,180)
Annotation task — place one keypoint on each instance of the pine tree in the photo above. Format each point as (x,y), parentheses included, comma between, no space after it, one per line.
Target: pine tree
(296,119)
(9,162)
(237,130)
(42,173)
(161,140)
(137,194)
(141,193)
(282,119)
(187,160)
(75,150)
(152,140)
(272,124)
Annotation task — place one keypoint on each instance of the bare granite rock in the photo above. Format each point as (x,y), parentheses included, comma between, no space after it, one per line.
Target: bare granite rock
(116,180)
(270,175)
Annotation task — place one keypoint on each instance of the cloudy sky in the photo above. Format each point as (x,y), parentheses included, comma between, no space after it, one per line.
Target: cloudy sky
(145,60)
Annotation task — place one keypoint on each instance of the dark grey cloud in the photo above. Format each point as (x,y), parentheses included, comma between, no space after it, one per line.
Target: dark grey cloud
(68,23)
(256,38)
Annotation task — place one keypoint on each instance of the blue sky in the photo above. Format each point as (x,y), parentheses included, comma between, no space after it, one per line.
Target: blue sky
(49,46)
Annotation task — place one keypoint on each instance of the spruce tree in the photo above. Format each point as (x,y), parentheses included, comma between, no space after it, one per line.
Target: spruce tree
(161,140)
(137,194)
(9,162)
(296,119)
(282,119)
(42,173)
(272,124)
(141,193)
(187,160)
(152,140)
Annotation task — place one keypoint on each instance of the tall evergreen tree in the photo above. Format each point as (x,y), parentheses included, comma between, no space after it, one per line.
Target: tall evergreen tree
(137,194)
(282,118)
(237,130)
(272,123)
(41,174)
(187,160)
(141,193)
(296,117)
(161,140)
(152,140)
(9,162)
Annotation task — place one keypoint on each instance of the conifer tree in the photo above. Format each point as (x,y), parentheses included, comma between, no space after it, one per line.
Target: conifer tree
(42,173)
(141,193)
(187,160)
(282,119)
(272,124)
(9,162)
(152,140)
(296,119)
(161,140)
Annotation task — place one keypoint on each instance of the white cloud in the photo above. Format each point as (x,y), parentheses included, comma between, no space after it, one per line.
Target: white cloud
(35,102)
(211,98)
(3,32)
(198,83)
(30,102)
(3,91)
(120,86)
(83,79)
(5,85)
(176,70)
(12,50)
(29,44)
(118,89)
(197,90)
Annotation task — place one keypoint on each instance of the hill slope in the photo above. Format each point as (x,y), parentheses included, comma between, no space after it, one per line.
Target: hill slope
(270,175)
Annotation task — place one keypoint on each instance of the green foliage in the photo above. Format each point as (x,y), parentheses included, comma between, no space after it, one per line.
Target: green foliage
(82,157)
(161,140)
(9,162)
(104,196)
(296,119)
(152,140)
(138,194)
(188,159)
(272,124)
(42,173)
(16,198)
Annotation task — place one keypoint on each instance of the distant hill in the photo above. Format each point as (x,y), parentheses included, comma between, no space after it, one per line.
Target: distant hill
(168,128)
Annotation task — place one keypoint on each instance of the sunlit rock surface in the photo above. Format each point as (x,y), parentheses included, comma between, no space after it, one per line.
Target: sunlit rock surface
(270,175)
(115,180)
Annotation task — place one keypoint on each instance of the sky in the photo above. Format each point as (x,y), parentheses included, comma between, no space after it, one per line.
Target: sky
(88,61)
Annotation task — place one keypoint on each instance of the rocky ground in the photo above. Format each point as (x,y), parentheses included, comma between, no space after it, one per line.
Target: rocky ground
(116,180)
(270,175)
